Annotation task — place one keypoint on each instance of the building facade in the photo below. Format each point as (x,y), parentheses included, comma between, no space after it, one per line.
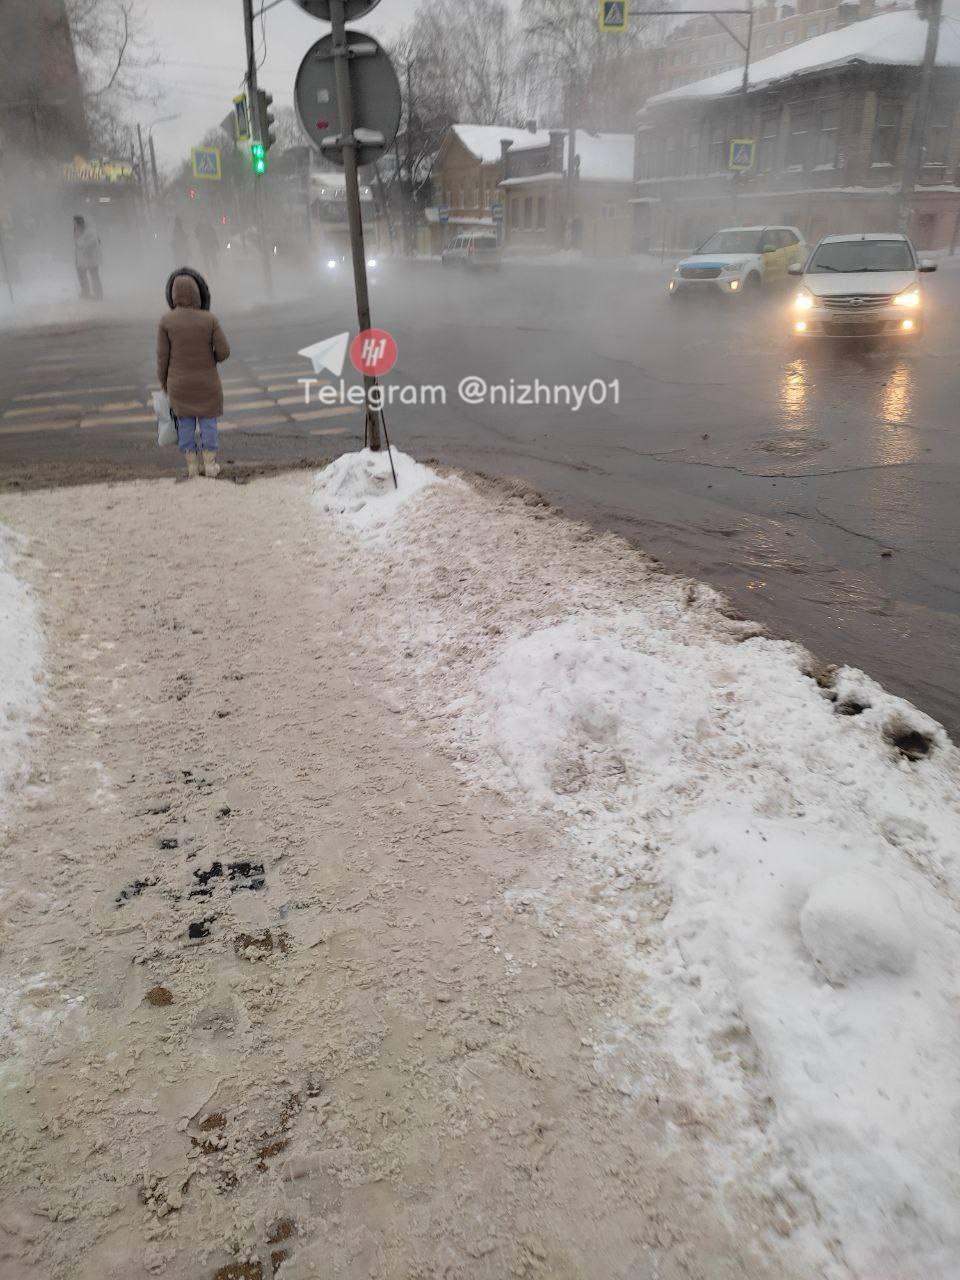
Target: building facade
(536,193)
(702,47)
(830,131)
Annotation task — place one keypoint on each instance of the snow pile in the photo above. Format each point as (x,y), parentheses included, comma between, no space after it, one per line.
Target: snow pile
(19,668)
(806,857)
(793,847)
(358,488)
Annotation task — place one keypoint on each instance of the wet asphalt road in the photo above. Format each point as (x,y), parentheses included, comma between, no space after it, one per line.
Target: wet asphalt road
(819,487)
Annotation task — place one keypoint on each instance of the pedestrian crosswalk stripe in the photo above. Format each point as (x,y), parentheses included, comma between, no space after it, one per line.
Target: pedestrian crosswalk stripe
(276,420)
(37,411)
(293,385)
(331,431)
(118,421)
(22,428)
(251,404)
(77,391)
(337,411)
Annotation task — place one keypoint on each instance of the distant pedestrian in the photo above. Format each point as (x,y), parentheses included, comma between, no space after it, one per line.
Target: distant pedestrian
(89,258)
(208,242)
(179,242)
(190,345)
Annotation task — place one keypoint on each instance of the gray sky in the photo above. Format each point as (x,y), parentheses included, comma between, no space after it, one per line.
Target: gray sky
(201,59)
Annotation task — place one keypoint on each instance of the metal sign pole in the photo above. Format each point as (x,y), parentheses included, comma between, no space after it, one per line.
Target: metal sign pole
(6,269)
(251,79)
(348,142)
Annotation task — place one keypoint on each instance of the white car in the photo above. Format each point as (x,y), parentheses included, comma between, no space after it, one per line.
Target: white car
(860,286)
(738,261)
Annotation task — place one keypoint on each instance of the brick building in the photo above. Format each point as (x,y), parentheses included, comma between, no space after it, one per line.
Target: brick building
(830,119)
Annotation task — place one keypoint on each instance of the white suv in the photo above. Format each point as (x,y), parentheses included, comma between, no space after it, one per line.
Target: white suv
(738,261)
(860,286)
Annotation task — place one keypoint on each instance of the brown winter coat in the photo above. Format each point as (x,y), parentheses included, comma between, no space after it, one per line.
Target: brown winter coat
(190,345)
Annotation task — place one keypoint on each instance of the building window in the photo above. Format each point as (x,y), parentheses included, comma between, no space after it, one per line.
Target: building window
(769,132)
(670,156)
(789,37)
(937,134)
(828,138)
(515,213)
(646,157)
(691,160)
(798,141)
(811,29)
(528,211)
(541,212)
(768,40)
(886,133)
(718,147)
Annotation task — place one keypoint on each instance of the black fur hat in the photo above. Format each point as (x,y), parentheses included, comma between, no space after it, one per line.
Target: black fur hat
(200,282)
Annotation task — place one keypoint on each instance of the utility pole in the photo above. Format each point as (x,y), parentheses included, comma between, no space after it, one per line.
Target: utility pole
(408,237)
(931,11)
(153,166)
(571,163)
(255,126)
(144,181)
(348,145)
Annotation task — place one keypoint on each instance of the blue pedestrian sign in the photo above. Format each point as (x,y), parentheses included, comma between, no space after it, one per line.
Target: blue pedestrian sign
(496,212)
(613,15)
(741,154)
(443,213)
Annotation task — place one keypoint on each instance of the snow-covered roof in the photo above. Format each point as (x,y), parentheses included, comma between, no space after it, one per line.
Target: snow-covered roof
(890,39)
(604,157)
(484,139)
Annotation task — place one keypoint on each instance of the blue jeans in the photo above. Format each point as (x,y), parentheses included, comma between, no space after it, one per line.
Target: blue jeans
(187,434)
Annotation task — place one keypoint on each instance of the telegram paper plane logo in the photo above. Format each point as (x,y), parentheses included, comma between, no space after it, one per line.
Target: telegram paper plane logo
(328,354)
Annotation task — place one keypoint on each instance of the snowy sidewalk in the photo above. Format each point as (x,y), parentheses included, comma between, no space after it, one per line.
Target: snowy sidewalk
(425,891)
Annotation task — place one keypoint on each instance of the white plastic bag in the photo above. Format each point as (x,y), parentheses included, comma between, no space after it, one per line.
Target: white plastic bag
(166,426)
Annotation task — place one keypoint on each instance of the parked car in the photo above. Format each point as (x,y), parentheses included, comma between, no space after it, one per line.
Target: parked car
(472,249)
(738,261)
(860,286)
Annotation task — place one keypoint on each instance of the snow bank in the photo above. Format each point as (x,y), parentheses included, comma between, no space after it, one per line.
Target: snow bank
(358,489)
(780,826)
(19,668)
(804,843)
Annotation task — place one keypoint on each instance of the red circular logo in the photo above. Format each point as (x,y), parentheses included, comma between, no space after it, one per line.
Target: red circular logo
(373,352)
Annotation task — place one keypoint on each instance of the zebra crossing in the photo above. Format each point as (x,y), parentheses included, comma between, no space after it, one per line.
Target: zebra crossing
(260,396)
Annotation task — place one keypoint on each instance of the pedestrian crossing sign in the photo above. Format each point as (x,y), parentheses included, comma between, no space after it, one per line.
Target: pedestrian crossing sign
(741,154)
(206,162)
(613,15)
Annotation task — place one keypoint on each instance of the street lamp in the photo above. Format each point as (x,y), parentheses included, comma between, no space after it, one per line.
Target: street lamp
(153,154)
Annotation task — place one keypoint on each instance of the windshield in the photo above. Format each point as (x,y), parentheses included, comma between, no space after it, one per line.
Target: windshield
(863,255)
(746,241)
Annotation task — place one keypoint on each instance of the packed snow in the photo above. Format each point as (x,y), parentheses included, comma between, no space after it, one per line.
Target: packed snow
(20,659)
(807,836)
(890,39)
(483,140)
(359,490)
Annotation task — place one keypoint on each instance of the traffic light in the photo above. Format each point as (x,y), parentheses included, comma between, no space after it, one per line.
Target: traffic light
(193,193)
(265,119)
(258,158)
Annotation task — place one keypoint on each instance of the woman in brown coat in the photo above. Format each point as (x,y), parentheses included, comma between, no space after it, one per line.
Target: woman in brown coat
(190,345)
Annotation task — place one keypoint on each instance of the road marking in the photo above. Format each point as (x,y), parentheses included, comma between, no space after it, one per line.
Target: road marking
(293,385)
(330,431)
(338,411)
(279,420)
(24,428)
(77,391)
(39,410)
(120,421)
(236,405)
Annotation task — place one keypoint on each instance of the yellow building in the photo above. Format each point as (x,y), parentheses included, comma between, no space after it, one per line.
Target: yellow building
(538,197)
(465,177)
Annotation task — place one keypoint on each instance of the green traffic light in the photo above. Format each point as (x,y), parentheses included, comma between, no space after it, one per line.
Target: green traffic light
(257,155)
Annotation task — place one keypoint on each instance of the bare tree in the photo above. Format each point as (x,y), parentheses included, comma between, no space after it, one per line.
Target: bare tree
(112,57)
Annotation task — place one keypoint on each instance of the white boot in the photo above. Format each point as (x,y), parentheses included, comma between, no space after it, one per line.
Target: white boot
(193,464)
(211,468)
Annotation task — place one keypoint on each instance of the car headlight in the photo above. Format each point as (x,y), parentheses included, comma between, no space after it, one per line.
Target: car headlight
(371,262)
(804,300)
(331,264)
(909,298)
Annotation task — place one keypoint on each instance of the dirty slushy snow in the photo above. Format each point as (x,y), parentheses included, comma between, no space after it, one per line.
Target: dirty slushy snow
(20,663)
(803,826)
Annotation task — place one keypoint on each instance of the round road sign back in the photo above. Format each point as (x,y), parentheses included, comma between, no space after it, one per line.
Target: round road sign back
(351,8)
(376,98)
